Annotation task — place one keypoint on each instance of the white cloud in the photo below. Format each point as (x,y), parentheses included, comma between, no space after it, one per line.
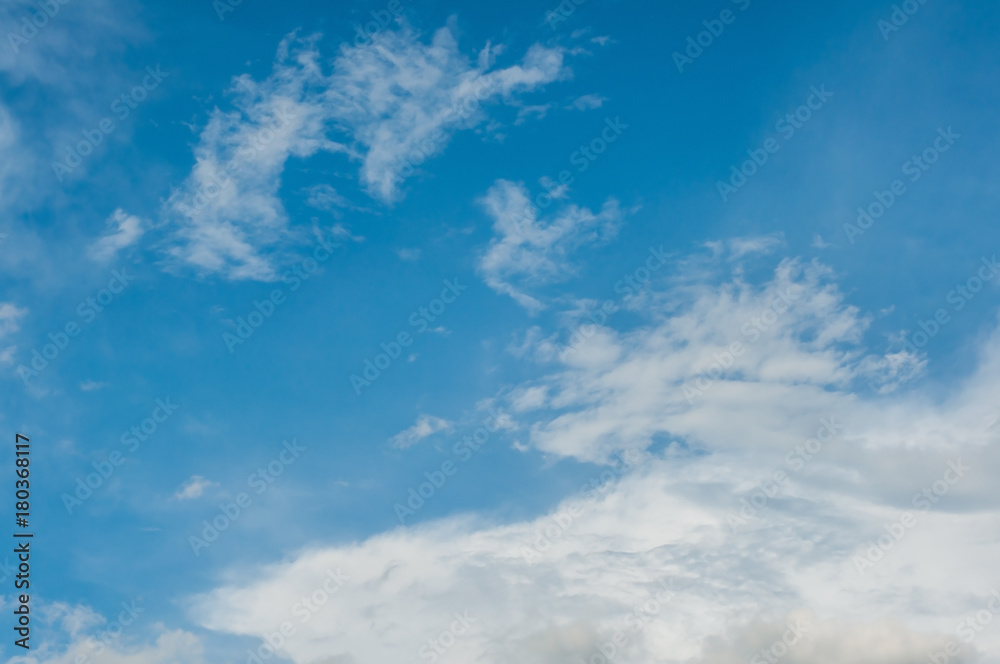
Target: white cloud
(426,425)
(818,642)
(401,99)
(532,111)
(75,634)
(527,249)
(45,55)
(819,243)
(651,530)
(588,102)
(394,101)
(10,318)
(409,253)
(530,398)
(559,586)
(228,213)
(325,197)
(16,160)
(73,620)
(91,385)
(738,248)
(169,647)
(552,188)
(193,488)
(344,233)
(799,354)
(124,230)
(78,89)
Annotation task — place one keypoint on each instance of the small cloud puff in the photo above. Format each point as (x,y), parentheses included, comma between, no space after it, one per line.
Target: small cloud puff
(426,425)
(193,488)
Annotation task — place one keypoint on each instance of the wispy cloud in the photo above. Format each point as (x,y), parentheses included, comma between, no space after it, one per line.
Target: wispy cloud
(228,214)
(193,488)
(395,99)
(426,425)
(588,102)
(666,515)
(325,197)
(402,99)
(529,250)
(409,253)
(124,230)
(10,318)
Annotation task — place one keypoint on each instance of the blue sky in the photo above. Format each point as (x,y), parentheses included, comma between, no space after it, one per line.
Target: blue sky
(481,180)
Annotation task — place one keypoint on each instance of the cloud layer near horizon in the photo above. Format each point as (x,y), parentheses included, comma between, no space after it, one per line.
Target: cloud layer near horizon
(559,586)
